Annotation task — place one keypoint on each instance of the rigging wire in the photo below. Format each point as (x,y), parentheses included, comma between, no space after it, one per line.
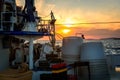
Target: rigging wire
(59,35)
(116,22)
(46,16)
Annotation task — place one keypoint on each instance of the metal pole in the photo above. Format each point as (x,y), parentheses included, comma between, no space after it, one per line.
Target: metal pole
(31,53)
(53,26)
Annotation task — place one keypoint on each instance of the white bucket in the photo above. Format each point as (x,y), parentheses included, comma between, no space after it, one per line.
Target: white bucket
(93,52)
(71,48)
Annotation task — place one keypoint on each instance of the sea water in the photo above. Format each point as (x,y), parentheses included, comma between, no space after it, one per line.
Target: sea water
(111,46)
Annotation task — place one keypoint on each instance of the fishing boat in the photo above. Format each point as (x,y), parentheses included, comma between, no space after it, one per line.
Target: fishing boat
(22,59)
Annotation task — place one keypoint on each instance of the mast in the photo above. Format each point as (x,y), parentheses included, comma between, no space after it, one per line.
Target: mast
(29,8)
(53,41)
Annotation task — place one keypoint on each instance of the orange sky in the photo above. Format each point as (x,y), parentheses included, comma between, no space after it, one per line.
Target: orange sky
(82,11)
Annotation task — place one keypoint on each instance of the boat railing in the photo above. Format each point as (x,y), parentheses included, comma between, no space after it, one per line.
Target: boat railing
(45,26)
(8,15)
(7,21)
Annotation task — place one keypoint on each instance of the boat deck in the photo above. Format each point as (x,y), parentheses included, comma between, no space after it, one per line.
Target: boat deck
(114,75)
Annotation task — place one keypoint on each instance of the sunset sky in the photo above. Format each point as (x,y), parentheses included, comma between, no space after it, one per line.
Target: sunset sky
(70,13)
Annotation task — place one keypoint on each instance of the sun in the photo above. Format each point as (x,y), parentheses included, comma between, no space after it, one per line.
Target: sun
(66,31)
(69,22)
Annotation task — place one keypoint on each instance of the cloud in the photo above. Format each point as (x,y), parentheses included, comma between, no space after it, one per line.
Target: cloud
(20,2)
(83,11)
(103,33)
(39,5)
(95,33)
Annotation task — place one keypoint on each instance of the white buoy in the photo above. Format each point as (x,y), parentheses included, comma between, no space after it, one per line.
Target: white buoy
(93,52)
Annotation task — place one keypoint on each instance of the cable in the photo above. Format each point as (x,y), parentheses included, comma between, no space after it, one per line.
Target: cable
(59,36)
(46,16)
(116,22)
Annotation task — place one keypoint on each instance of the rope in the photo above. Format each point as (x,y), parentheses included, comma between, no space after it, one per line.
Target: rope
(46,16)
(114,22)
